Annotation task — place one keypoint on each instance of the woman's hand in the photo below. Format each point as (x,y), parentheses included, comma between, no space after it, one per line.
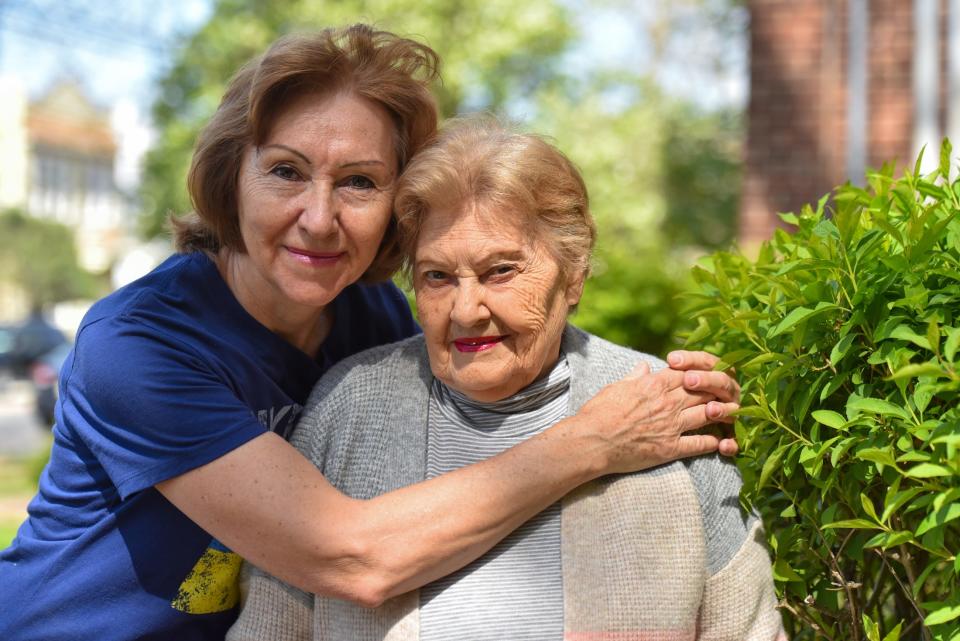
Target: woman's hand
(700,376)
(645,419)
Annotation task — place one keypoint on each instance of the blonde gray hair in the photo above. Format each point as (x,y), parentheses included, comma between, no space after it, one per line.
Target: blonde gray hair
(478,159)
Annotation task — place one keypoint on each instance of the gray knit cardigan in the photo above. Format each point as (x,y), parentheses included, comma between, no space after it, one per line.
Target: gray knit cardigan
(661,555)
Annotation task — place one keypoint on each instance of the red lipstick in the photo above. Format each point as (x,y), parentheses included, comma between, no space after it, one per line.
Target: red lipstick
(477,343)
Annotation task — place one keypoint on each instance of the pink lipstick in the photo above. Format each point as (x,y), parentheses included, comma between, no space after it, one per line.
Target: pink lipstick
(314,259)
(477,343)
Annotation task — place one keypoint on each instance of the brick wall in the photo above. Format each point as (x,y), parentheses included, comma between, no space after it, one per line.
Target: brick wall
(797,114)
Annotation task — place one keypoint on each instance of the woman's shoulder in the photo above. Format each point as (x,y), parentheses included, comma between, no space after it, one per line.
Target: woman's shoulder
(599,358)
(398,365)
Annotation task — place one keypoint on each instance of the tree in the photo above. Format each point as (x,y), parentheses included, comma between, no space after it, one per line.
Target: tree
(662,176)
(40,257)
(663,172)
(516,51)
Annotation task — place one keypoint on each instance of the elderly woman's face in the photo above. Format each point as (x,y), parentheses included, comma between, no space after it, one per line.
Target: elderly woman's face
(315,199)
(492,301)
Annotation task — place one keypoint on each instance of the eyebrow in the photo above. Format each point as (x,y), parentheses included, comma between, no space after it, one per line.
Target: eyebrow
(286,148)
(347,165)
(510,254)
(360,163)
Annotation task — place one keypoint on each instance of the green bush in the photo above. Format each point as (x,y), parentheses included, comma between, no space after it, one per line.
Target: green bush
(846,337)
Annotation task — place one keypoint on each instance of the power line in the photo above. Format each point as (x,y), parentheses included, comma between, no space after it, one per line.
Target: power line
(90,26)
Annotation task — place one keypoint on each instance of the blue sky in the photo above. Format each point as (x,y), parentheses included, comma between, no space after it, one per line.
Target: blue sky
(42,41)
(38,45)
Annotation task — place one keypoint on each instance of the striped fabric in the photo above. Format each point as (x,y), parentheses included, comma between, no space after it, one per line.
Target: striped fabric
(515,591)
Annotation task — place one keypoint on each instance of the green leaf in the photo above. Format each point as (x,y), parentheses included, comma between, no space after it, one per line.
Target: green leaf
(929,189)
(783,572)
(799,315)
(840,349)
(928,470)
(888,540)
(867,505)
(835,383)
(934,519)
(733,359)
(953,341)
(947,612)
(829,418)
(897,501)
(877,455)
(933,335)
(853,524)
(945,149)
(876,406)
(903,332)
(894,634)
(789,218)
(772,463)
(841,449)
(915,370)
(871,628)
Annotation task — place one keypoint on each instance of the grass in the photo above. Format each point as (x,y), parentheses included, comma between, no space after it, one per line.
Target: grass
(8,530)
(18,480)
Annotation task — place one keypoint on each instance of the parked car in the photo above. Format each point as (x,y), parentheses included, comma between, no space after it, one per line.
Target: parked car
(6,347)
(45,373)
(31,340)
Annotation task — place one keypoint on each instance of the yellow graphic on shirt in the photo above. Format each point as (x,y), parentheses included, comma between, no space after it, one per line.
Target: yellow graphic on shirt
(211,585)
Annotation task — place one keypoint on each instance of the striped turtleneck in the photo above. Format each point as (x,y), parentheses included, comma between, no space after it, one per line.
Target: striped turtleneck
(515,591)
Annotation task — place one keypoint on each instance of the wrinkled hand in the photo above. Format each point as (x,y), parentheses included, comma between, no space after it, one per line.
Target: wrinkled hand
(699,376)
(645,419)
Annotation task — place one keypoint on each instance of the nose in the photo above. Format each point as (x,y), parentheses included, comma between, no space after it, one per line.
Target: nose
(469,308)
(319,213)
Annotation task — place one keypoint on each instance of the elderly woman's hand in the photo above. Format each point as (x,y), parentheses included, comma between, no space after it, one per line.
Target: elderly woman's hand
(700,377)
(646,419)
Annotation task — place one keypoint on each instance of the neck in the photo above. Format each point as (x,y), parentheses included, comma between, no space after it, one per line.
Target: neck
(303,327)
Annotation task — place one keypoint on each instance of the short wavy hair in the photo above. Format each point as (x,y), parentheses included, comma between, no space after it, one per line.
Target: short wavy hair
(384,68)
(478,159)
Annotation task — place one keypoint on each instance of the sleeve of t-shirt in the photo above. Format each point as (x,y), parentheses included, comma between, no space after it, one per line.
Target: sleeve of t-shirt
(147,407)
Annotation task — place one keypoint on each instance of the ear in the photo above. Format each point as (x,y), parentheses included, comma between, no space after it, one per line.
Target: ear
(575,288)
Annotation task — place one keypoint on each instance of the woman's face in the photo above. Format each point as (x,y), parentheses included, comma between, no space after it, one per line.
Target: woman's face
(314,201)
(492,301)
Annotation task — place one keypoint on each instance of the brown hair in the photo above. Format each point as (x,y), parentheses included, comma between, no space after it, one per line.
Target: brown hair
(478,159)
(391,71)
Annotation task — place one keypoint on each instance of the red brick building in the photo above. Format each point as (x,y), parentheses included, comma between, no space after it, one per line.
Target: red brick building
(837,86)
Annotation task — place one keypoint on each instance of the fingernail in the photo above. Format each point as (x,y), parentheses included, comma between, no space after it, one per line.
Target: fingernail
(714,410)
(674,359)
(693,380)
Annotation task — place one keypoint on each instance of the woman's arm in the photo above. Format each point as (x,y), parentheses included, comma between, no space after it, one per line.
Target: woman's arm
(273,507)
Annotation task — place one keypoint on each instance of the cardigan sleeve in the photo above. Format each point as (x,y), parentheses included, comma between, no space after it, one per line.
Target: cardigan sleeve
(272,610)
(739,602)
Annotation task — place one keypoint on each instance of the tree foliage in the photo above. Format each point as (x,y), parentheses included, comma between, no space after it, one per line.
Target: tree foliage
(516,51)
(41,258)
(846,336)
(663,176)
(662,173)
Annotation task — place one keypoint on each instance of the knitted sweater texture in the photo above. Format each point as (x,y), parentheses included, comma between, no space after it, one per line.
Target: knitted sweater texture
(660,555)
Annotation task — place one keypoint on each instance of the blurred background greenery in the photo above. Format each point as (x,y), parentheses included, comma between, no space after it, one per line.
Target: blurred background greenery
(655,132)
(663,170)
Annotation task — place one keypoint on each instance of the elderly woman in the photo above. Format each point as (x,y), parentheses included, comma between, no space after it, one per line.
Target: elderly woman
(169,461)
(497,235)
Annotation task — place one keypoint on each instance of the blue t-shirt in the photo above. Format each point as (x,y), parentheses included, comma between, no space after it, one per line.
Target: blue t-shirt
(167,374)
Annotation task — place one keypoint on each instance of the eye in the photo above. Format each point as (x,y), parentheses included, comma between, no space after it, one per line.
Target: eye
(434,277)
(502,272)
(285,172)
(358,182)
